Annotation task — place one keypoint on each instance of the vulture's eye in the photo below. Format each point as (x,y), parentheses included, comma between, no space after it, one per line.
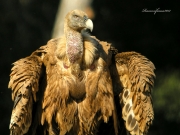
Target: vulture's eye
(76,16)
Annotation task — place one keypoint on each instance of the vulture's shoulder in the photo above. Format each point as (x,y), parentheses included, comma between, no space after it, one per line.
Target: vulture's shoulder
(104,49)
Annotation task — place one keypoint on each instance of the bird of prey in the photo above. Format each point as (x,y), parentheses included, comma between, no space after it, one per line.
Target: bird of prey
(69,86)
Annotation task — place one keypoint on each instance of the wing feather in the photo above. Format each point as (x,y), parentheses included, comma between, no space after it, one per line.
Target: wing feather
(24,80)
(134,74)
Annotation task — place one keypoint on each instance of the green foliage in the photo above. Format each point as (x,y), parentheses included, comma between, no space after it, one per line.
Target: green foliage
(166,95)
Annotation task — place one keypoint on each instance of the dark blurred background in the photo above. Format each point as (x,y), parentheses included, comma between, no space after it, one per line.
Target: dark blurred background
(25,25)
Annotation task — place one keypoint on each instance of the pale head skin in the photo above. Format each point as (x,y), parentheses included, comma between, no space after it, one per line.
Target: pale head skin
(78,20)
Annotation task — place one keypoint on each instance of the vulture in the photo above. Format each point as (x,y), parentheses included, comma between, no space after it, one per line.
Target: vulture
(76,83)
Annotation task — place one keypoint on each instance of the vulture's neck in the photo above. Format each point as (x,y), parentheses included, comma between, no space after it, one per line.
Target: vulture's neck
(74,45)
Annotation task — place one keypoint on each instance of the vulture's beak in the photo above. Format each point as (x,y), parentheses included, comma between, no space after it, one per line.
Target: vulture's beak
(89,24)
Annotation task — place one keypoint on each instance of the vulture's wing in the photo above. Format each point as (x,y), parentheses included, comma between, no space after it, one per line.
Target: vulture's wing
(133,79)
(24,82)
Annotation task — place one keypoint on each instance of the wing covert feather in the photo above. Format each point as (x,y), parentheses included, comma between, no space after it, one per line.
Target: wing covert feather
(134,74)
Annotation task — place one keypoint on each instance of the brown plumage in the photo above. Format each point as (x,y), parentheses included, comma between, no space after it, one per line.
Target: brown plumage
(66,87)
(134,74)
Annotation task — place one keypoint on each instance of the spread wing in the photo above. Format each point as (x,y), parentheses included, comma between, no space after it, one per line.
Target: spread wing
(24,82)
(133,79)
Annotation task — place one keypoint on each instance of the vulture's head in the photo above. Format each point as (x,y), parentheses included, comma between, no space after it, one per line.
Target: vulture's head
(78,20)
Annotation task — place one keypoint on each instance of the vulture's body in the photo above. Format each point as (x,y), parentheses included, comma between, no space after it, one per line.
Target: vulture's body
(66,87)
